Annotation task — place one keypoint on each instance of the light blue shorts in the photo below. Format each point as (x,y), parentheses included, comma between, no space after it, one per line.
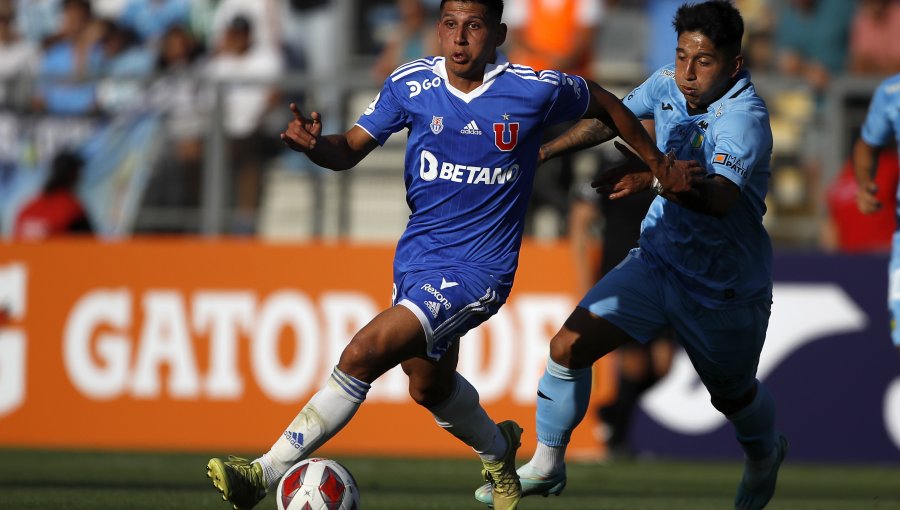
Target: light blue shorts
(723,344)
(449,302)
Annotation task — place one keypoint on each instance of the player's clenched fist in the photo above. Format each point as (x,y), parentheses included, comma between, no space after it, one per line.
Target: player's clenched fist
(302,132)
(678,176)
(867,198)
(633,175)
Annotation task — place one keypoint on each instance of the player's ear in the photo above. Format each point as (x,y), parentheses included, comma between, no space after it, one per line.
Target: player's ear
(501,35)
(738,65)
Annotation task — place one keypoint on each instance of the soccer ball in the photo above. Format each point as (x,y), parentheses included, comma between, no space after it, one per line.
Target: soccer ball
(317,484)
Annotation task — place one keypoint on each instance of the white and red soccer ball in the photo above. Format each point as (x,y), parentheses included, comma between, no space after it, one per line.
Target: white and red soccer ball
(317,484)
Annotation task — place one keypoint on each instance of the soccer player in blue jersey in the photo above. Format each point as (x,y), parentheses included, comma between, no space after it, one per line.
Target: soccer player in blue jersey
(881,128)
(703,266)
(474,123)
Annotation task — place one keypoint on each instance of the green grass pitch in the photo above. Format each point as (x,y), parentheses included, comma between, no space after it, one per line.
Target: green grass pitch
(75,480)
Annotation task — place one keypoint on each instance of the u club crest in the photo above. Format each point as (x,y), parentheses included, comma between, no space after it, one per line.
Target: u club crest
(437,124)
(506,135)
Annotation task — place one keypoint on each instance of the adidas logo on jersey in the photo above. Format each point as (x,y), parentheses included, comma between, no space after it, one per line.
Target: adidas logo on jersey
(470,129)
(434,308)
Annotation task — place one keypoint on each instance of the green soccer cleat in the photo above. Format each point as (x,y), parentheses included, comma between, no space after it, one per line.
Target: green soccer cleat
(501,474)
(531,486)
(240,481)
(756,497)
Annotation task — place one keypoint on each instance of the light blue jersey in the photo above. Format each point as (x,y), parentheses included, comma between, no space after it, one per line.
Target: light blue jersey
(882,125)
(726,261)
(470,158)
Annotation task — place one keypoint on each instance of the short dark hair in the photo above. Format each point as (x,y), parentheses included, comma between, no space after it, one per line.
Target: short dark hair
(718,20)
(494,7)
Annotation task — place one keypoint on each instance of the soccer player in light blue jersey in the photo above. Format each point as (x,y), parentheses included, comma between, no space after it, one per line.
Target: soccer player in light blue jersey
(881,128)
(474,124)
(703,266)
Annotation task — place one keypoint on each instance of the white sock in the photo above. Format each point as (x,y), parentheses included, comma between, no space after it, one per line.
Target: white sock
(462,416)
(322,417)
(547,461)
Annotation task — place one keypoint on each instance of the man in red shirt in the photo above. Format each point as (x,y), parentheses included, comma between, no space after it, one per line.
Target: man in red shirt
(57,210)
(848,230)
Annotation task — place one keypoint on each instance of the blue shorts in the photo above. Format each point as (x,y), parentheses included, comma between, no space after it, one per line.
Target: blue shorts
(723,344)
(894,289)
(449,302)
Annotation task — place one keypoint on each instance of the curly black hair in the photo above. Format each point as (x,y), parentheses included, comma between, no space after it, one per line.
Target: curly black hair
(718,20)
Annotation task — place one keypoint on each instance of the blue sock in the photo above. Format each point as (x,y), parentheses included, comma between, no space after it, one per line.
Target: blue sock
(563,397)
(754,425)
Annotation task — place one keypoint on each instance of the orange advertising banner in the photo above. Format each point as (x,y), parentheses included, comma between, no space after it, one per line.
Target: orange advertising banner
(216,345)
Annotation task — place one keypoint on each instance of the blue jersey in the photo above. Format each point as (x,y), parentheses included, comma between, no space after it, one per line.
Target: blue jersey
(470,157)
(720,261)
(882,124)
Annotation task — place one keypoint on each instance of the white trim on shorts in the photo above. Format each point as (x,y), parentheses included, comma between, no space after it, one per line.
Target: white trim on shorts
(480,306)
(432,337)
(423,319)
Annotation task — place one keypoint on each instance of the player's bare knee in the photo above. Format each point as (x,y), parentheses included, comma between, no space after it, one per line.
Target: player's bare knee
(573,351)
(428,387)
(428,394)
(363,358)
(562,350)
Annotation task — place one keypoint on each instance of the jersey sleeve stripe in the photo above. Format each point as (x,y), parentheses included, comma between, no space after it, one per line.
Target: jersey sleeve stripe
(415,65)
(535,78)
(528,73)
(397,76)
(417,62)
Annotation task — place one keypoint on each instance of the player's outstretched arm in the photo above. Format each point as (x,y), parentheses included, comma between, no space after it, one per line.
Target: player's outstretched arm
(337,152)
(674,176)
(714,195)
(865,165)
(584,134)
(606,118)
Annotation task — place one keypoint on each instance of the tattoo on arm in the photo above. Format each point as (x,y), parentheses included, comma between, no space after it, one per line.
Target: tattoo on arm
(584,134)
(595,133)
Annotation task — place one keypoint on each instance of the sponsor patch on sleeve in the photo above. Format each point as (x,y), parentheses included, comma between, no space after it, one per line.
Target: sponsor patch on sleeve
(731,162)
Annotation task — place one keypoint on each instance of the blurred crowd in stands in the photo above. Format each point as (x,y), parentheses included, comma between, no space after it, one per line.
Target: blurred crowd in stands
(115,59)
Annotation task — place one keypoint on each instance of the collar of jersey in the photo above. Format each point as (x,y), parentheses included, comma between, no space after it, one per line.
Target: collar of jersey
(743,79)
(490,72)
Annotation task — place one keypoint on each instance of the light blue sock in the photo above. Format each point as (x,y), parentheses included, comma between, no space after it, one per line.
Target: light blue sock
(754,425)
(563,398)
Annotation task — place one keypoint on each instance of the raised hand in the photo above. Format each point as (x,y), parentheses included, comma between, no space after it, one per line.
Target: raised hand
(302,133)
